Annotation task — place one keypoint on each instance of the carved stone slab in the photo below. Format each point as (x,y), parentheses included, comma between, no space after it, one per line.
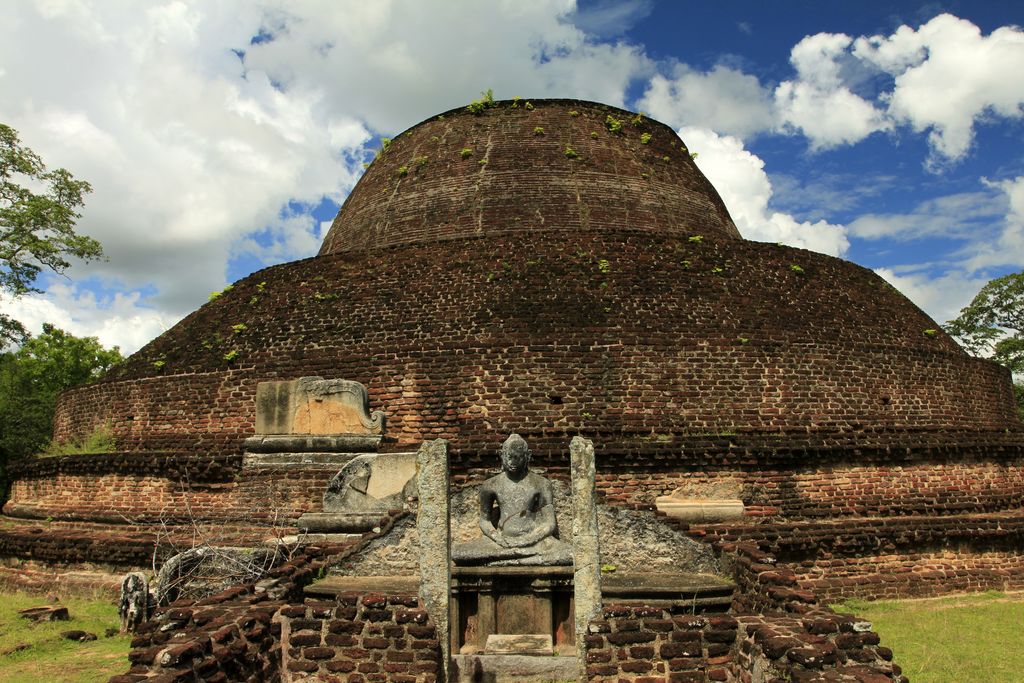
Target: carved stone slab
(700,509)
(362,491)
(520,644)
(316,406)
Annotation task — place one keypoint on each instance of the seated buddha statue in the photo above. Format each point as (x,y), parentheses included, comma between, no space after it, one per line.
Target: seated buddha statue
(517,517)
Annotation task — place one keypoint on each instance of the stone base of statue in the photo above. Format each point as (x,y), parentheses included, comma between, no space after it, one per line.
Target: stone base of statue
(502,600)
(545,553)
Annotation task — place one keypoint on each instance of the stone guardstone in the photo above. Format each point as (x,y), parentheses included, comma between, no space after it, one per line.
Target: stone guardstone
(362,492)
(679,505)
(520,644)
(315,414)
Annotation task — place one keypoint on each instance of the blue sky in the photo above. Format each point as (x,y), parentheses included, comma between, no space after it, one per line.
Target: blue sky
(222,137)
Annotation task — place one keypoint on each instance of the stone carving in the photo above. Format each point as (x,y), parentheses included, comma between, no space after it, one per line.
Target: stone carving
(362,491)
(133,607)
(314,405)
(317,414)
(517,517)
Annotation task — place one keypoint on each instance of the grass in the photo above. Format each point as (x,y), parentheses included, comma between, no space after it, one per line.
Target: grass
(49,657)
(963,638)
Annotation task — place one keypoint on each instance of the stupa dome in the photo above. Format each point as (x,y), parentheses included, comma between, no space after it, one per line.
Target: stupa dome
(481,279)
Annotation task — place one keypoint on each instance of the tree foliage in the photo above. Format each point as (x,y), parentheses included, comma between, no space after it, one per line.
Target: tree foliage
(992,325)
(31,378)
(37,229)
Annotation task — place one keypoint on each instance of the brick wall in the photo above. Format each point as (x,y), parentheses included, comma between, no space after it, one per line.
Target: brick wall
(168,488)
(470,340)
(359,638)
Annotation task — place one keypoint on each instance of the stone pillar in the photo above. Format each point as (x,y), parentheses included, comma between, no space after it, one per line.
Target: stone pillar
(434,526)
(585,545)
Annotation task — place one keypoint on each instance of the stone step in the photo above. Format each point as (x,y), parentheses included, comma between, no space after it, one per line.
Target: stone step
(512,668)
(696,592)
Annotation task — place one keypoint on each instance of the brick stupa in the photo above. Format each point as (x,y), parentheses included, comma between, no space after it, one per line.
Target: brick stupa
(562,269)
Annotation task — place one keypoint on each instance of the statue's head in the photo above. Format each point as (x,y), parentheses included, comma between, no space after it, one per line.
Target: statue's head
(515,454)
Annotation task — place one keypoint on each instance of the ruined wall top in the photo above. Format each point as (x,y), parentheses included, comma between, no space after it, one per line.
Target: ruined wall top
(525,166)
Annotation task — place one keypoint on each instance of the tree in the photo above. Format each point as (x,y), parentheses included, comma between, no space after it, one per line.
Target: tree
(993,325)
(37,231)
(32,377)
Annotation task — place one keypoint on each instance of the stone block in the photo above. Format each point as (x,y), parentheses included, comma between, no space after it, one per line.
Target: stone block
(314,405)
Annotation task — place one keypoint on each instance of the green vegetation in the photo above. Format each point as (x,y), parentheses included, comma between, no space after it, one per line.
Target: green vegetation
(37,231)
(613,124)
(645,138)
(593,135)
(538,130)
(35,653)
(466,152)
(638,119)
(402,171)
(796,269)
(420,162)
(571,153)
(528,106)
(485,102)
(217,295)
(515,102)
(30,380)
(696,239)
(99,440)
(930,332)
(231,355)
(962,638)
(992,326)
(385,143)
(574,113)
(239,328)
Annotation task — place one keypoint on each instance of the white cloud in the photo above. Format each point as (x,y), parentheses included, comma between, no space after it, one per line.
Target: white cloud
(608,18)
(193,151)
(746,190)
(948,77)
(393,63)
(817,103)
(965,216)
(723,99)
(117,321)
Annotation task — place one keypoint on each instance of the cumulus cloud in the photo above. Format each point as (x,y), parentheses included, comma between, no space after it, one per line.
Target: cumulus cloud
(393,63)
(948,76)
(723,99)
(943,77)
(818,103)
(203,144)
(739,177)
(117,320)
